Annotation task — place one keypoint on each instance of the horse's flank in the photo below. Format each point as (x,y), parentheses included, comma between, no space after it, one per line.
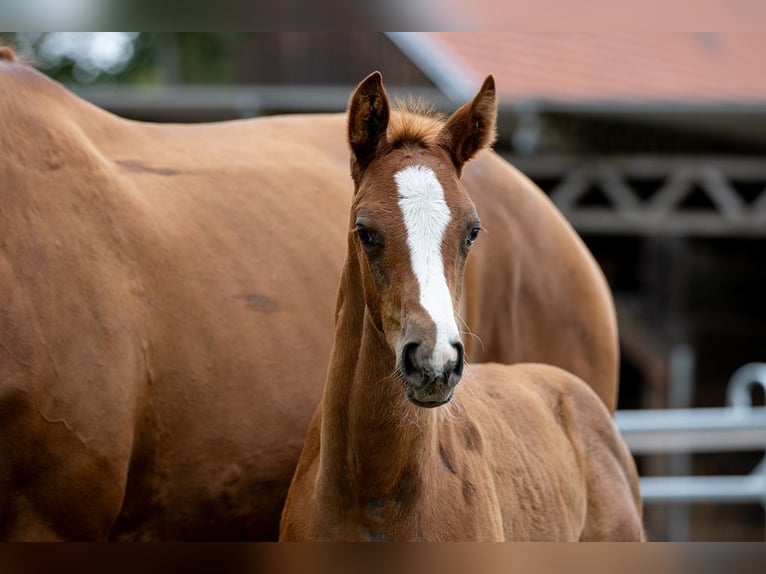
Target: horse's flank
(164,329)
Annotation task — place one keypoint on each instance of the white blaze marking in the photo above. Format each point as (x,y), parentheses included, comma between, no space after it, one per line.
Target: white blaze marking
(426,216)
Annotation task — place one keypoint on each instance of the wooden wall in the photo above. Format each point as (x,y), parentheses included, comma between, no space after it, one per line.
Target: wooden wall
(323,58)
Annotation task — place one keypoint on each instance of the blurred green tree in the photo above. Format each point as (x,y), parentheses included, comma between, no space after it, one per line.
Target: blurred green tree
(130,57)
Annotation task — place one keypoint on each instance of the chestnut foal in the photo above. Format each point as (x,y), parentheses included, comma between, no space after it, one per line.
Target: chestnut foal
(522,452)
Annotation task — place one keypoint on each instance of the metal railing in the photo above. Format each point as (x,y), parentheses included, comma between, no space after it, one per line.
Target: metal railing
(737,427)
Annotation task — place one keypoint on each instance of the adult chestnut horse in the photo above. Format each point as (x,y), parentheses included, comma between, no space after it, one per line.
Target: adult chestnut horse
(166,297)
(528,453)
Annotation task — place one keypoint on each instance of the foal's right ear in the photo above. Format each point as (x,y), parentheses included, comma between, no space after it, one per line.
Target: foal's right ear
(368,113)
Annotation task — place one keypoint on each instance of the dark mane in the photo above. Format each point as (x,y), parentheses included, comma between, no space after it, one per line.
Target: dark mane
(414,122)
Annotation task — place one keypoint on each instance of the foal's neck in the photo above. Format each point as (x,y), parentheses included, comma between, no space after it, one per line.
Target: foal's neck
(372,436)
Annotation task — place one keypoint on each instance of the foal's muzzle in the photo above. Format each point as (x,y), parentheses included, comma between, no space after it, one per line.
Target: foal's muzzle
(430,378)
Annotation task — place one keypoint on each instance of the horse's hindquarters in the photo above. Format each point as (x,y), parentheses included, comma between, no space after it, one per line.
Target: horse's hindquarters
(533,292)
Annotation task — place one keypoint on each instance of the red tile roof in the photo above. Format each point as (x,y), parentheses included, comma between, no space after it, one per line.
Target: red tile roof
(681,67)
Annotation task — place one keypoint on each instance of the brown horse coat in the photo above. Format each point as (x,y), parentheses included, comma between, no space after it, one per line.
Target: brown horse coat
(166,297)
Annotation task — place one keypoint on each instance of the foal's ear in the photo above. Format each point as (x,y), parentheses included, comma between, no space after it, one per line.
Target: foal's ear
(472,126)
(368,113)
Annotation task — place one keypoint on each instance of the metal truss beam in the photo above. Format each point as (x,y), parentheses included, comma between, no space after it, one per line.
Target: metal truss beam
(704,196)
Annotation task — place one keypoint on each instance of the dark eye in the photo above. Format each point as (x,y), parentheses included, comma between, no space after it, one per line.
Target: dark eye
(367,237)
(472,235)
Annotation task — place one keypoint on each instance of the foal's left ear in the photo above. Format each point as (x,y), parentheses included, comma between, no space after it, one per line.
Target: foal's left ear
(472,126)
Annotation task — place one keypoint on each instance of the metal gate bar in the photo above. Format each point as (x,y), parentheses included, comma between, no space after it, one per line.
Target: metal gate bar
(739,427)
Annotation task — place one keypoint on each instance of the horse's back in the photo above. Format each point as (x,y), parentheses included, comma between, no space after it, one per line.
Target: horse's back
(551,429)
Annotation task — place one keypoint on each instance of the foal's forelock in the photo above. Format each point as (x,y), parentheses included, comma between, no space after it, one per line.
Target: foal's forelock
(426,217)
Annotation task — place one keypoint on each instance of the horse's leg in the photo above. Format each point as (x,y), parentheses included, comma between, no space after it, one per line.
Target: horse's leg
(612,521)
(25,524)
(611,484)
(55,483)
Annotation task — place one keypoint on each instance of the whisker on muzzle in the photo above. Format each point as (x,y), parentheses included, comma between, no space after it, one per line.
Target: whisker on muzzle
(468,331)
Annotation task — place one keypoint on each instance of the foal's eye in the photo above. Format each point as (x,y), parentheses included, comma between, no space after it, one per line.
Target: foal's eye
(472,235)
(367,237)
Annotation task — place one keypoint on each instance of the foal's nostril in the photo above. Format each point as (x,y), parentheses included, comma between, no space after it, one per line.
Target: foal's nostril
(457,370)
(409,358)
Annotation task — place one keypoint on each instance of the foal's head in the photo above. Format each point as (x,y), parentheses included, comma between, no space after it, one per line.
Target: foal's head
(414,225)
